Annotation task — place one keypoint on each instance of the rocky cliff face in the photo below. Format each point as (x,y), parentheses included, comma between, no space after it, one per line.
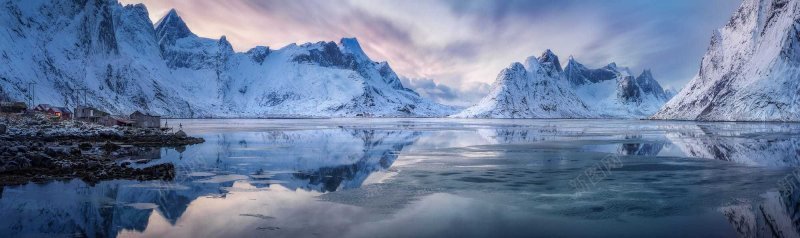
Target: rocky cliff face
(578,74)
(113,56)
(750,71)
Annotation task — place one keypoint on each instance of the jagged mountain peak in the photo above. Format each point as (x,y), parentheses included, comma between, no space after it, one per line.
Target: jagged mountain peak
(171,16)
(516,66)
(646,73)
(573,65)
(352,46)
(550,63)
(649,85)
(171,27)
(531,64)
(225,45)
(259,53)
(138,7)
(548,56)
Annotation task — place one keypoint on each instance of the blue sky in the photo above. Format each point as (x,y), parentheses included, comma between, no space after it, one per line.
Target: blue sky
(451,50)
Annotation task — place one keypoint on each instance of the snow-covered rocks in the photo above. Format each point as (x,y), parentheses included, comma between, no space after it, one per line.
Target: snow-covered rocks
(613,91)
(542,89)
(121,62)
(751,71)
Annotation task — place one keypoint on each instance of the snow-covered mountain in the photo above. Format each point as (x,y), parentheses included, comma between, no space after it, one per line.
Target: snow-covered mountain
(116,58)
(535,90)
(542,89)
(613,91)
(750,71)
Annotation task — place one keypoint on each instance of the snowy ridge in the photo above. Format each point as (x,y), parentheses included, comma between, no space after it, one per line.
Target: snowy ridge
(750,71)
(542,89)
(613,92)
(535,90)
(121,62)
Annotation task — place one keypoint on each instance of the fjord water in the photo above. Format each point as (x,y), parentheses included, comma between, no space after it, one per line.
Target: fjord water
(437,178)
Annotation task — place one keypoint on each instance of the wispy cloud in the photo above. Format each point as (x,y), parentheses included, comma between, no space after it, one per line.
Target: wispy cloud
(462,45)
(444,94)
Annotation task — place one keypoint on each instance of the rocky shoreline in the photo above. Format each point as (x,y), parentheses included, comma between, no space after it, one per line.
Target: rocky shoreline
(34,149)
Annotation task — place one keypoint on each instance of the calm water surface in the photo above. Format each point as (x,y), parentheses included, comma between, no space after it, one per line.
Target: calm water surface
(438,178)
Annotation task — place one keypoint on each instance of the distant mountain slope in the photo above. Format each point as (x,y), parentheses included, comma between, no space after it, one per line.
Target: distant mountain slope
(751,71)
(119,61)
(612,91)
(535,90)
(542,89)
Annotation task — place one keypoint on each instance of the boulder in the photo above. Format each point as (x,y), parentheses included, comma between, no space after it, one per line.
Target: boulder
(110,147)
(181,134)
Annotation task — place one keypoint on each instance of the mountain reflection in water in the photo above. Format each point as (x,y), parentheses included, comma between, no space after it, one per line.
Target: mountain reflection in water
(435,177)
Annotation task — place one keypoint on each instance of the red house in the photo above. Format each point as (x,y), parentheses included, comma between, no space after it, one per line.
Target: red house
(60,112)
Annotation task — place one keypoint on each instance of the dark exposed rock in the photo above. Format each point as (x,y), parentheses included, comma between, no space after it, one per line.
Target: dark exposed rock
(649,85)
(181,134)
(578,74)
(171,27)
(259,54)
(628,90)
(110,147)
(328,56)
(33,153)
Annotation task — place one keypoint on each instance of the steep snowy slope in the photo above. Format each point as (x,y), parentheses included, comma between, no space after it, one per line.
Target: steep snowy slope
(536,90)
(751,71)
(66,46)
(114,57)
(542,89)
(612,91)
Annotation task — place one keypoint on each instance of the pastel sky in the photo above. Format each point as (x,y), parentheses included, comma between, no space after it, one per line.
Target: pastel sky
(451,50)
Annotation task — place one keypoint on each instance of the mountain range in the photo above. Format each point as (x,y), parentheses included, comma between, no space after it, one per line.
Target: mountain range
(109,56)
(541,88)
(102,54)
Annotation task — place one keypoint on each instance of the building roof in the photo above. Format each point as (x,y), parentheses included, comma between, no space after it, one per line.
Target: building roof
(120,118)
(60,109)
(44,106)
(150,114)
(98,112)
